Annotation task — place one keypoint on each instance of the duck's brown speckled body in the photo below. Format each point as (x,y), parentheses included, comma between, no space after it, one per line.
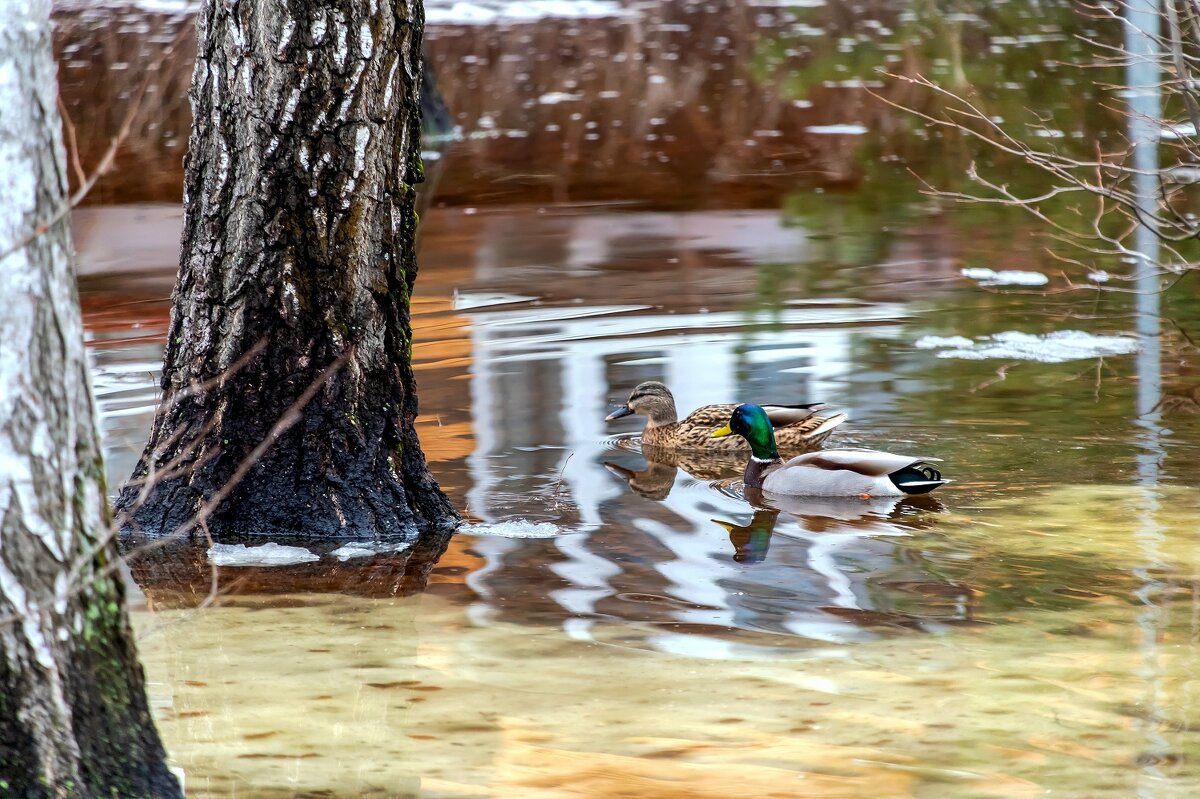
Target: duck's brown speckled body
(799,428)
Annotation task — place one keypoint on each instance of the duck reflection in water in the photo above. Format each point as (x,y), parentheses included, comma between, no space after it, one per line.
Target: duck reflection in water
(656,480)
(752,540)
(663,464)
(820,514)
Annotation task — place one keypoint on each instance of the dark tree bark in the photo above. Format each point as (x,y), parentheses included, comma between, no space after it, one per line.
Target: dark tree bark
(295,274)
(74,721)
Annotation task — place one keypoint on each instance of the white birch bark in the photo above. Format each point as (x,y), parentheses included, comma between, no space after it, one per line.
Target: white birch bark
(63,630)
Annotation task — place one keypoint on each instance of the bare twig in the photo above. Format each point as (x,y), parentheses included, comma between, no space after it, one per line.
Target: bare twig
(106,160)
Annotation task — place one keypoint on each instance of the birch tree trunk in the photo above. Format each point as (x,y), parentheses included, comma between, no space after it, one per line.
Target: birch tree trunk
(73,715)
(299,241)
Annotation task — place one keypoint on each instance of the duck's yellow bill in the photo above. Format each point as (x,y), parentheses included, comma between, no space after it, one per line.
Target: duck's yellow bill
(721,433)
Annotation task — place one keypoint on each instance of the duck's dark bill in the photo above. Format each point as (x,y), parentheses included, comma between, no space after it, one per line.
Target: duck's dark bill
(624,410)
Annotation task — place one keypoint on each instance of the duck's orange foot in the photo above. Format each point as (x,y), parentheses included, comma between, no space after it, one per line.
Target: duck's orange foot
(864,496)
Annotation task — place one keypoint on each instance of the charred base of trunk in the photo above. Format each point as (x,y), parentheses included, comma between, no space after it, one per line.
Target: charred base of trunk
(333,475)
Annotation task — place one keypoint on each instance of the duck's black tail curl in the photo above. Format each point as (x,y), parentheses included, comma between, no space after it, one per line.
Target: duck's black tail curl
(919,478)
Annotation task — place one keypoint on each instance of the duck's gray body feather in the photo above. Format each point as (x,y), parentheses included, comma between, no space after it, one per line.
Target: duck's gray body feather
(840,473)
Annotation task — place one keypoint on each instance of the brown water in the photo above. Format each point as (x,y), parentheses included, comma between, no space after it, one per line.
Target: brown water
(1037,630)
(1033,631)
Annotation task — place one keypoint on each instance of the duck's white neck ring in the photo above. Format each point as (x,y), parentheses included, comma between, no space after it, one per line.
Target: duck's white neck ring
(757,459)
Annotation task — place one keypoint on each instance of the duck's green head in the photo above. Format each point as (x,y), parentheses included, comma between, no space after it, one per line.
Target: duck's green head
(751,423)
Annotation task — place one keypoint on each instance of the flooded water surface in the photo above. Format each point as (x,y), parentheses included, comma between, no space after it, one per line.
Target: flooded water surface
(611,626)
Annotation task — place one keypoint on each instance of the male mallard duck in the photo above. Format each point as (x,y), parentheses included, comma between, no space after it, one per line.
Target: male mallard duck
(830,473)
(800,428)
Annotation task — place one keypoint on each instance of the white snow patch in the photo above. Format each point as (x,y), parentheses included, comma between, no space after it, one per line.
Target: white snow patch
(482,12)
(362,137)
(1181,131)
(390,84)
(348,551)
(289,110)
(1099,276)
(516,528)
(318,29)
(1006,277)
(1056,347)
(366,42)
(270,554)
(943,342)
(836,130)
(285,36)
(785,3)
(342,50)
(554,98)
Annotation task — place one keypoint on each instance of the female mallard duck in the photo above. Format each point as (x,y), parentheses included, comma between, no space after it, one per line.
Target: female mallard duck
(800,428)
(830,473)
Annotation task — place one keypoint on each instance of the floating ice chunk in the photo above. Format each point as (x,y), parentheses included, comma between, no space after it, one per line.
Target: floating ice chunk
(1007,277)
(516,528)
(554,98)
(1012,277)
(943,342)
(348,551)
(464,301)
(270,554)
(836,130)
(1057,347)
(1099,276)
(1181,131)
(491,11)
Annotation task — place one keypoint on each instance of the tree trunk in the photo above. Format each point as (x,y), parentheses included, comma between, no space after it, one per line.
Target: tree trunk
(295,275)
(73,715)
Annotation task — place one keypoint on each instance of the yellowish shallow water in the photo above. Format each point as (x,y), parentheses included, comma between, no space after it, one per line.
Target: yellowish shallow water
(329,695)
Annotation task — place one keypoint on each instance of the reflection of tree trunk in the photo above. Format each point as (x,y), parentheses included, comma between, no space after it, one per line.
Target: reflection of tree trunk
(73,715)
(299,238)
